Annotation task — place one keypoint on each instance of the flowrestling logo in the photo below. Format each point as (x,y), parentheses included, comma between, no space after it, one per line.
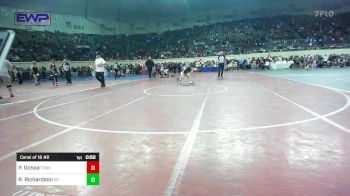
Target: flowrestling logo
(33,18)
(324,13)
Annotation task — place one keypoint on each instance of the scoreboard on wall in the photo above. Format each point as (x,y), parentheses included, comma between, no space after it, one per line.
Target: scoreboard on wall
(57,169)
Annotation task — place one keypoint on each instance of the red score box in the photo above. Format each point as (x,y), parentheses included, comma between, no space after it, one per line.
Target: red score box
(93,167)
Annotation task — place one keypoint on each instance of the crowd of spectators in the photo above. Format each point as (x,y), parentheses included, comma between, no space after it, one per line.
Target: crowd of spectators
(26,72)
(305,61)
(237,37)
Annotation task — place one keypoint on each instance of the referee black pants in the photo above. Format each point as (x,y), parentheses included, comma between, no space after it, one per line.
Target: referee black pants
(221,69)
(149,70)
(100,77)
(68,77)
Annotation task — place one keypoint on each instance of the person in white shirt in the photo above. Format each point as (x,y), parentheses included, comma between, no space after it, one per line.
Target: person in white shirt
(67,71)
(221,62)
(5,77)
(199,65)
(100,70)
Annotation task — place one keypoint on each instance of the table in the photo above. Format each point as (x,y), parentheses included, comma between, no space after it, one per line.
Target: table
(210,69)
(281,64)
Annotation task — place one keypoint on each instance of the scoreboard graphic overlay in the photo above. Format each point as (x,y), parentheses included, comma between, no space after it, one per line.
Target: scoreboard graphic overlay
(57,169)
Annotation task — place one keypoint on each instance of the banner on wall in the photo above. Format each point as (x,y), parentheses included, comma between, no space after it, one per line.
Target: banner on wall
(33,18)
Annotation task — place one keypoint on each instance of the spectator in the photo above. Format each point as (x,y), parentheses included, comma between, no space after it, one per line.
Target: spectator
(20,75)
(54,72)
(5,77)
(36,74)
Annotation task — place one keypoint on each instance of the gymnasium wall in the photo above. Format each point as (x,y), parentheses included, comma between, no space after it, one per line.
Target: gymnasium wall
(92,25)
(130,24)
(209,58)
(63,23)
(125,25)
(256,55)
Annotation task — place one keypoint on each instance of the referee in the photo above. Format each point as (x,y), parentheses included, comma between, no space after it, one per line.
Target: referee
(67,71)
(149,64)
(100,70)
(221,62)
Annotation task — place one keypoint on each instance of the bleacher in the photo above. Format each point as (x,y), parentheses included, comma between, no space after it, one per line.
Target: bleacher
(280,33)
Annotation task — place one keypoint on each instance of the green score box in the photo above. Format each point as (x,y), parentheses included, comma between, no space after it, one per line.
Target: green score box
(92,179)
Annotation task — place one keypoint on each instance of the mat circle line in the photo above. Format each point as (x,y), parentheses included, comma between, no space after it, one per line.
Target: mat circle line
(146,91)
(345,106)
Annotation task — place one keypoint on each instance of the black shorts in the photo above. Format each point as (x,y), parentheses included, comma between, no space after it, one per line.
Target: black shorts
(187,70)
